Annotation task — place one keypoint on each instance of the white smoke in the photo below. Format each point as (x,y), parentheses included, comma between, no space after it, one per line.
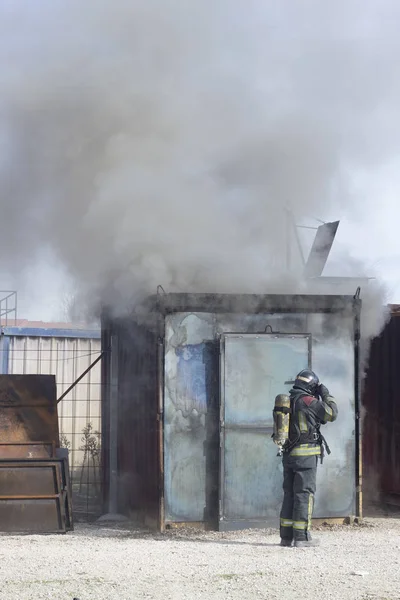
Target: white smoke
(150,142)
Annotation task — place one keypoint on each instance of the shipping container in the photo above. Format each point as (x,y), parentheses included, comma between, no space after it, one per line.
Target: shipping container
(189,387)
(381,424)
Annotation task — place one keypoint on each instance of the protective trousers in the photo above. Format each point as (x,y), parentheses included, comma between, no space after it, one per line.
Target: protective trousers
(299,485)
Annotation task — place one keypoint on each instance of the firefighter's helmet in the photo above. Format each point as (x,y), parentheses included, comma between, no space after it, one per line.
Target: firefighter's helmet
(307,381)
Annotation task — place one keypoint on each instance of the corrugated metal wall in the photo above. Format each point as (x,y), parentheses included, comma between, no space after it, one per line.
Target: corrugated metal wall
(79,412)
(381,399)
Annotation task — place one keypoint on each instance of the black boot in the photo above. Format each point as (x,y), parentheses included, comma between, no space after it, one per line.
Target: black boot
(286,543)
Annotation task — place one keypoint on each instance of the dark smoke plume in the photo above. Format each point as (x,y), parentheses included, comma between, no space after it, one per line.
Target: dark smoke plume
(148,142)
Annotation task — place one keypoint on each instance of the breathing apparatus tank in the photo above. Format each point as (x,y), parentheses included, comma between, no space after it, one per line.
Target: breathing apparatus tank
(281,414)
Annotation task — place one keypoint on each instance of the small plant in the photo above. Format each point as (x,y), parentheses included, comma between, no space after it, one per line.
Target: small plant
(91,448)
(91,442)
(64,441)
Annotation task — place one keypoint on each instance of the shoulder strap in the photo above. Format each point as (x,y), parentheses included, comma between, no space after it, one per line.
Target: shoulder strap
(321,439)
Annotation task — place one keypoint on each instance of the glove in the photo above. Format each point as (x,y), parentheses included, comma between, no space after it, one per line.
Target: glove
(323,391)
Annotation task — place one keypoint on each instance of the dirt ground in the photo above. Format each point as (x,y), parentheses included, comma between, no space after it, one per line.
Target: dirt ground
(93,563)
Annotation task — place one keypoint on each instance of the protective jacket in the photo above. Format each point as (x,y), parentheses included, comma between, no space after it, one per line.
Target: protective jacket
(308,413)
(300,456)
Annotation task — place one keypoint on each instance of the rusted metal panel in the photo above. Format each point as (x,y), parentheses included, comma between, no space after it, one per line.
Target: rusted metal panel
(27,450)
(138,449)
(67,494)
(252,303)
(35,491)
(33,496)
(28,478)
(381,401)
(17,516)
(28,409)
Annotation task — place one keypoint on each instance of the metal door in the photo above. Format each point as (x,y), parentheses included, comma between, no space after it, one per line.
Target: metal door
(254,368)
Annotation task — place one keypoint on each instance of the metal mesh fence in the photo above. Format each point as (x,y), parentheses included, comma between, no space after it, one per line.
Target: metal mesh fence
(79,412)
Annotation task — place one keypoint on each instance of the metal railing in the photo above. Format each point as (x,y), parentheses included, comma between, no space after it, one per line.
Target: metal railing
(8,307)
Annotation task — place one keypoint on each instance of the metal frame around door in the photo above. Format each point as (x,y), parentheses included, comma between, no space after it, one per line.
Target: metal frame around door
(228,524)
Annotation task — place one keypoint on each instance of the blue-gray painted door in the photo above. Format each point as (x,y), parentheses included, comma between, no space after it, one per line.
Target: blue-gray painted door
(254,368)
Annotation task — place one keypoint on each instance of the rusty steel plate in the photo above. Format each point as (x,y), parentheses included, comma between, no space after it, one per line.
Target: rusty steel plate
(67,491)
(32,516)
(21,450)
(28,409)
(34,496)
(29,478)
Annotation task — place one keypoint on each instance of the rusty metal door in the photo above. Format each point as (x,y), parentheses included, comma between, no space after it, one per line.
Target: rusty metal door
(254,368)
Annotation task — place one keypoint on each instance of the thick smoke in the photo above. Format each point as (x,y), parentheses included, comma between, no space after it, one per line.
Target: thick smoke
(148,142)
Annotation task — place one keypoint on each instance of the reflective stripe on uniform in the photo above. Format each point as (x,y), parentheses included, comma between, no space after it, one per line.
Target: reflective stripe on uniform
(329,414)
(306,450)
(300,525)
(286,523)
(303,422)
(306,379)
(310,510)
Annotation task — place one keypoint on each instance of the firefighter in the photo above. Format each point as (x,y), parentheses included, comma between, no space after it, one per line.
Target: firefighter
(311,406)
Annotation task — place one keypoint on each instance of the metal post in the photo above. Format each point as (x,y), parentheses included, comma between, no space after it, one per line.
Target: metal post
(160,419)
(113,514)
(113,491)
(357,395)
(4,363)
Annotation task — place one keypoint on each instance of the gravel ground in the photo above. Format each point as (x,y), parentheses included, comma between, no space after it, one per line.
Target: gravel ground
(96,563)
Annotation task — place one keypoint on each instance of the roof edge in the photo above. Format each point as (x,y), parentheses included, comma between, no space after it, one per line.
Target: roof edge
(44,332)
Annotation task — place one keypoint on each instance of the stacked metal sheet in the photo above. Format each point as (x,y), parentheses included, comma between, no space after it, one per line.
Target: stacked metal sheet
(35,490)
